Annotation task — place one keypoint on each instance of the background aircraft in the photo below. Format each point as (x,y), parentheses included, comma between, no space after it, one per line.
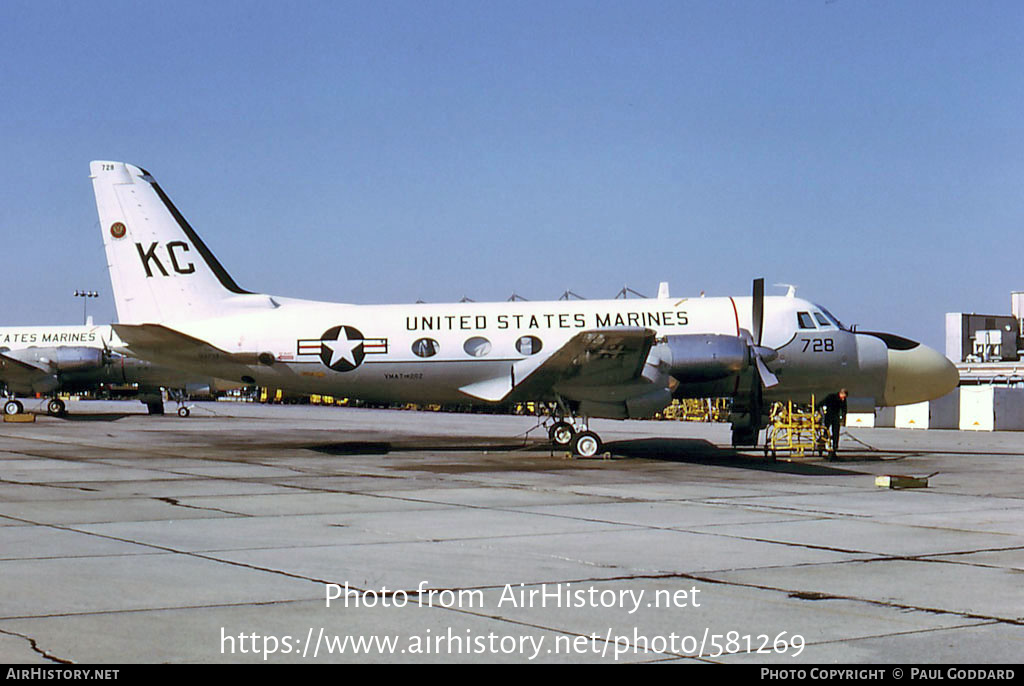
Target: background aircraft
(47,360)
(178,306)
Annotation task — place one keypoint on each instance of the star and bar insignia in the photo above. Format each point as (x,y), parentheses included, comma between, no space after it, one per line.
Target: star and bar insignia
(342,348)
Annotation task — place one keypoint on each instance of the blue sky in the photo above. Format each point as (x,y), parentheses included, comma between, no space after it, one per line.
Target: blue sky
(869,152)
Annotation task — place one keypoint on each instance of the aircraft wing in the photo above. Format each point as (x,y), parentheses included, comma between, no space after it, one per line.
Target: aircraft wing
(167,346)
(17,373)
(599,357)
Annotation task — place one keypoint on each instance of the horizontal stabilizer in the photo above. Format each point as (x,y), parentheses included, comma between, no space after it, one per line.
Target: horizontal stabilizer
(163,345)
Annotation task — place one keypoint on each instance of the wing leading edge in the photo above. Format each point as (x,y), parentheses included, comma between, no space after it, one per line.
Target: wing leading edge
(594,358)
(18,374)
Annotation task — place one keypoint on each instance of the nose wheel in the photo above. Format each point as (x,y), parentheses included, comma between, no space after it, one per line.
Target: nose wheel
(181,398)
(12,407)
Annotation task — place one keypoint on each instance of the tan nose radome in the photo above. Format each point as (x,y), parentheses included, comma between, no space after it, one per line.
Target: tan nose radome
(917,375)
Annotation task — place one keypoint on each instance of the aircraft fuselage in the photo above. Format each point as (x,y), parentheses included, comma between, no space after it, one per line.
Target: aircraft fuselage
(428,352)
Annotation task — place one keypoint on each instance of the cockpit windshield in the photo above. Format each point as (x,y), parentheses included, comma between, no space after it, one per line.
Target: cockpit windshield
(832,318)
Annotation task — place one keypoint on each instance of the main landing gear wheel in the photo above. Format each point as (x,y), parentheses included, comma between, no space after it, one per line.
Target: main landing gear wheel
(586,444)
(13,407)
(183,412)
(561,433)
(56,408)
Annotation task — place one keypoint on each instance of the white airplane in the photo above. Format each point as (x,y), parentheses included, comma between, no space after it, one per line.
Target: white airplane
(46,360)
(612,358)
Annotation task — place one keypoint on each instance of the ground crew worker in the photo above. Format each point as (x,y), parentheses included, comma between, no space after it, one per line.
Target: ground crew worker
(833,409)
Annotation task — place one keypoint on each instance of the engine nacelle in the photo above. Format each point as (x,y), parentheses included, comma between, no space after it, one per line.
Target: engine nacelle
(701,357)
(61,358)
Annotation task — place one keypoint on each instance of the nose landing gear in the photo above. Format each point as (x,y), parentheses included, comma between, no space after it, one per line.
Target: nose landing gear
(182,398)
(155,404)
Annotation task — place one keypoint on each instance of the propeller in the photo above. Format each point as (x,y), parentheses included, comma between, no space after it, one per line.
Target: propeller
(753,402)
(758,306)
(760,353)
(109,356)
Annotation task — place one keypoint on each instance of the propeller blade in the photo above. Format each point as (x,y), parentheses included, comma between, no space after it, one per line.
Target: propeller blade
(757,316)
(108,354)
(767,378)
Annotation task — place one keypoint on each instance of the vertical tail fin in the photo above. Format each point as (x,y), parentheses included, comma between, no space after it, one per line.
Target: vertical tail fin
(160,270)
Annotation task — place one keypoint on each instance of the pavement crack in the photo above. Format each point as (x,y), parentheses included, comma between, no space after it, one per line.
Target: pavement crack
(42,484)
(892,604)
(178,503)
(35,647)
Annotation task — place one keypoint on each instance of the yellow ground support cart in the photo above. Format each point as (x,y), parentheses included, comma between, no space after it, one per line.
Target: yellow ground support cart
(696,410)
(797,429)
(271,395)
(720,408)
(673,411)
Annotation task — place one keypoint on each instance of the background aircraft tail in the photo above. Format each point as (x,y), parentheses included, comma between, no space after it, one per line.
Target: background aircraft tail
(160,270)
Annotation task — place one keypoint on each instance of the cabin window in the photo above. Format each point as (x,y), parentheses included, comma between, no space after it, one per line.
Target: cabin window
(529,345)
(425,347)
(804,320)
(477,346)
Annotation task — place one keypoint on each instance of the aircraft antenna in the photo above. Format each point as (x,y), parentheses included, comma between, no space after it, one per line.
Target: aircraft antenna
(791,292)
